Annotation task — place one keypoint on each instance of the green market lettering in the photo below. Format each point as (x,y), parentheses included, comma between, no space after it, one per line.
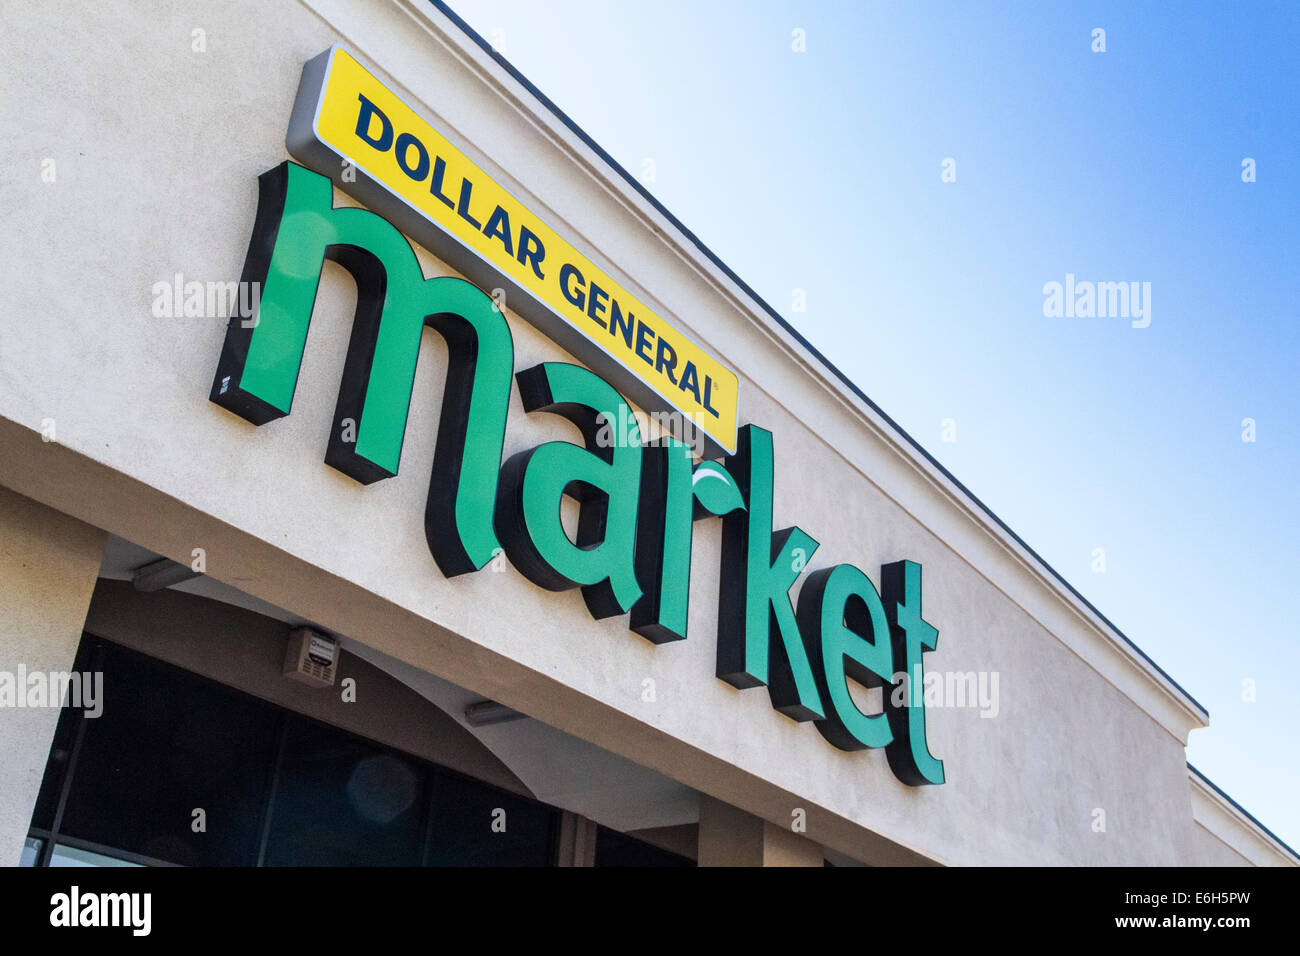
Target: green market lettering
(638,500)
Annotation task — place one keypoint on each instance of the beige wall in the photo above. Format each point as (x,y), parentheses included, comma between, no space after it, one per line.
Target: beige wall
(48,564)
(731,837)
(160,178)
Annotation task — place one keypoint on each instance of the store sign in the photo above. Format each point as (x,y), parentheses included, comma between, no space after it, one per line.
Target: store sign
(347,125)
(638,500)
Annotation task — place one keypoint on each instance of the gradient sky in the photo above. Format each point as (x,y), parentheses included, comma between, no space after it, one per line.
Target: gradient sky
(821,171)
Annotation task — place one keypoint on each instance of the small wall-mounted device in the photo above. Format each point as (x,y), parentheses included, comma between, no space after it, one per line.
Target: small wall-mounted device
(312,657)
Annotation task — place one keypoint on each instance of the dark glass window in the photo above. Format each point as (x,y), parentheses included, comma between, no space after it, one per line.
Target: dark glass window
(343,801)
(619,849)
(47,800)
(472,823)
(274,788)
(167,744)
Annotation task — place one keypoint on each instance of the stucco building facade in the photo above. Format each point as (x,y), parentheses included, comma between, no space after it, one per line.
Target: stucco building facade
(139,151)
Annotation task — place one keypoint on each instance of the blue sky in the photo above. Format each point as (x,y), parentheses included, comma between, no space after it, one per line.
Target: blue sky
(821,171)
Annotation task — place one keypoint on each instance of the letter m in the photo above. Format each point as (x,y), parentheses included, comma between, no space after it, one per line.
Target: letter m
(296,230)
(1112,300)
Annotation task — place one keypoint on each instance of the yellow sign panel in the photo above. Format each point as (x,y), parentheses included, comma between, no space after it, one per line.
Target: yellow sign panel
(384,143)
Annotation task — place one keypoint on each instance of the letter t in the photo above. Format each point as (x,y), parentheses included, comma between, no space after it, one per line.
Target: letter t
(909,755)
